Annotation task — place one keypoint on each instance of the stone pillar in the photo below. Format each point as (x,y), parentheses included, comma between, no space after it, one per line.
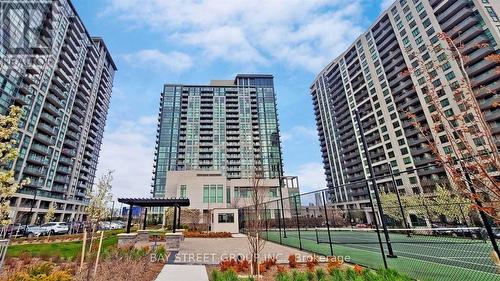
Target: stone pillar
(126,239)
(173,242)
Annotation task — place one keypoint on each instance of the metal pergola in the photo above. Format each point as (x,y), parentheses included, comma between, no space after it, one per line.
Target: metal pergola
(155,202)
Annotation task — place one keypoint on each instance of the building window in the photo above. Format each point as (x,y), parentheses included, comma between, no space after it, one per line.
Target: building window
(228,195)
(183,191)
(206,192)
(273,192)
(220,194)
(492,13)
(226,218)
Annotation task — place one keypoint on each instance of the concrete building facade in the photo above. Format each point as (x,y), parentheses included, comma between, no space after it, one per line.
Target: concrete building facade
(208,190)
(62,77)
(367,78)
(229,126)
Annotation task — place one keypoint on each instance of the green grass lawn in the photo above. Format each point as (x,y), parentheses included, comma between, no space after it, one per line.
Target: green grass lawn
(428,259)
(62,249)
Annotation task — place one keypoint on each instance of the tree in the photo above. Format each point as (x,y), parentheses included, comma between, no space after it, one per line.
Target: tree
(470,157)
(191,217)
(49,216)
(9,126)
(449,204)
(99,199)
(255,224)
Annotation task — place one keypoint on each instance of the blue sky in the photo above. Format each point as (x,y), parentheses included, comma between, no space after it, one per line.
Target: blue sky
(194,41)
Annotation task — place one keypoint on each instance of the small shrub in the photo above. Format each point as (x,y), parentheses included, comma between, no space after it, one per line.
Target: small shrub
(283,275)
(262,268)
(310,275)
(229,275)
(292,261)
(299,276)
(334,262)
(320,274)
(312,262)
(25,257)
(358,269)
(350,274)
(337,274)
(199,234)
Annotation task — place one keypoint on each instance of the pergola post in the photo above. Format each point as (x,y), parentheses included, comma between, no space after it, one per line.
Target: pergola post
(174,226)
(179,217)
(144,223)
(129,221)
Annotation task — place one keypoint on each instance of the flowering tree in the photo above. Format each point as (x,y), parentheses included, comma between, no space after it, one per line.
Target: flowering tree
(49,216)
(255,223)
(99,199)
(9,125)
(470,158)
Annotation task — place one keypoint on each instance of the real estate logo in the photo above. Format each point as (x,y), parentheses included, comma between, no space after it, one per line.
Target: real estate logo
(26,33)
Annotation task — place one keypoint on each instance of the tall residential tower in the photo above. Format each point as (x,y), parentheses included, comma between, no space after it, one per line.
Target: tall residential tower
(212,140)
(62,77)
(368,78)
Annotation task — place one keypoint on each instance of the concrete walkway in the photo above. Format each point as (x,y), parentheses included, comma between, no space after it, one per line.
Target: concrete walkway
(174,272)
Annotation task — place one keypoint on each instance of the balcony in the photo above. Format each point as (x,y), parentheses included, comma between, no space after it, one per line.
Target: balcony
(63,170)
(454,9)
(47,140)
(34,171)
(73,135)
(40,149)
(51,109)
(55,100)
(70,143)
(36,159)
(61,179)
(49,119)
(78,112)
(61,94)
(69,152)
(66,161)
(42,127)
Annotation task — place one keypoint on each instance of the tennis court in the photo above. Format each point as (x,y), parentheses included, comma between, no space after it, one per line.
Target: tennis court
(424,254)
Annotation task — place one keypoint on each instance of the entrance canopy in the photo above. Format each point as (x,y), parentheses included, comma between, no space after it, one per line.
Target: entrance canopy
(155,202)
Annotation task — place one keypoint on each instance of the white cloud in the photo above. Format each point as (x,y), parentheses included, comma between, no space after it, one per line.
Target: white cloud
(170,61)
(299,134)
(128,149)
(311,176)
(386,4)
(306,34)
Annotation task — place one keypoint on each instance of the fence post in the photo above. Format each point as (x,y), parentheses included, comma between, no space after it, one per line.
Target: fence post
(265,216)
(327,223)
(375,188)
(405,223)
(279,220)
(282,208)
(297,218)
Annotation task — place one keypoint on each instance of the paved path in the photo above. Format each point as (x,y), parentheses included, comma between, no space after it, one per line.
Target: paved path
(214,250)
(178,272)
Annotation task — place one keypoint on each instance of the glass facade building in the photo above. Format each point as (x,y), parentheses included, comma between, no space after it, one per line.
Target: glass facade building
(229,126)
(62,78)
(368,78)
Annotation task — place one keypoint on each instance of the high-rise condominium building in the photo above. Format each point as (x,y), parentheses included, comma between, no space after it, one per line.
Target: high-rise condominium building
(368,78)
(213,139)
(229,126)
(62,77)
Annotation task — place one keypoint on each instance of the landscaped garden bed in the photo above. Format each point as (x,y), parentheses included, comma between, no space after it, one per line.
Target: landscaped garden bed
(118,264)
(203,234)
(311,270)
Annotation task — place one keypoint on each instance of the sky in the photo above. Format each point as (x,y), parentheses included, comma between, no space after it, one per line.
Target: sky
(154,42)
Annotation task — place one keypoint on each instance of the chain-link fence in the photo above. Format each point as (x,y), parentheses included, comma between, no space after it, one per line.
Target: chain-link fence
(430,233)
